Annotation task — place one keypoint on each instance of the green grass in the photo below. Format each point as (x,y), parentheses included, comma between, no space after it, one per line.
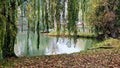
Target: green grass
(107,43)
(80,34)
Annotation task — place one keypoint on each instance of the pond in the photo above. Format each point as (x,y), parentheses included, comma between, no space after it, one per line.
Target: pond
(49,45)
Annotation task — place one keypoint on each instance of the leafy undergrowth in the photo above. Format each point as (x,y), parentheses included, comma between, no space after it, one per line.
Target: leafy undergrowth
(96,58)
(107,43)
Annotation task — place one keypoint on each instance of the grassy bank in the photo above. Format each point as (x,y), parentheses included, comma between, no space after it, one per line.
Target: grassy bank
(108,44)
(66,34)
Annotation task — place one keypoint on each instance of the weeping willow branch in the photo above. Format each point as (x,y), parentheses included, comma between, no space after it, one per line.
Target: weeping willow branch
(73,8)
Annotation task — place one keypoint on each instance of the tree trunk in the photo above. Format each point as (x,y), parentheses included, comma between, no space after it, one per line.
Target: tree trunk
(11,31)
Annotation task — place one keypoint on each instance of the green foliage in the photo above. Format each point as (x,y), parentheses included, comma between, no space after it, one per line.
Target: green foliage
(118,14)
(73,9)
(2,30)
(108,42)
(8,27)
(85,34)
(66,33)
(103,19)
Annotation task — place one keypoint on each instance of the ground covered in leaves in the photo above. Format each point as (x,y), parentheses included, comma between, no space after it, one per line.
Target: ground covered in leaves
(98,57)
(105,58)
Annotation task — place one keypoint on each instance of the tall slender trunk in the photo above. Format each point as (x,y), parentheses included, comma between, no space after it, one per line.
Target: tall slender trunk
(28,31)
(34,16)
(38,25)
(11,31)
(22,8)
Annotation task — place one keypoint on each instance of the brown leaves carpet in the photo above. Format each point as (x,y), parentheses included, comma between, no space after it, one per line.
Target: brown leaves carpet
(105,58)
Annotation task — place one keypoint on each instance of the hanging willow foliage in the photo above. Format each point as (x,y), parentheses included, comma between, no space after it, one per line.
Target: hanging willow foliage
(8,9)
(11,28)
(58,16)
(2,31)
(73,8)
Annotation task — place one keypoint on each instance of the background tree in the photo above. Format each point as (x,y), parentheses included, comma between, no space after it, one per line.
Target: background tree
(104,18)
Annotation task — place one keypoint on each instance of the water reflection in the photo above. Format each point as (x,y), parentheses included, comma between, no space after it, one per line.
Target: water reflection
(49,45)
(63,45)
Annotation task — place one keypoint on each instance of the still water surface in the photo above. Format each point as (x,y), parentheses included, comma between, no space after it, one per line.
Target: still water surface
(49,45)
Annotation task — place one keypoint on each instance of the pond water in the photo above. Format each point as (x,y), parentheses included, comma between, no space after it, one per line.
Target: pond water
(49,45)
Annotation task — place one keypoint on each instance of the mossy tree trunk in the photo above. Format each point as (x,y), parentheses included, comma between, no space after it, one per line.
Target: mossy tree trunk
(2,32)
(11,29)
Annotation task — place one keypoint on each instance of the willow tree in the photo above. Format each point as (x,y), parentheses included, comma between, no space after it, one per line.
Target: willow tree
(2,32)
(38,24)
(22,15)
(43,15)
(11,28)
(47,15)
(57,15)
(35,15)
(84,5)
(8,12)
(73,9)
(53,13)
